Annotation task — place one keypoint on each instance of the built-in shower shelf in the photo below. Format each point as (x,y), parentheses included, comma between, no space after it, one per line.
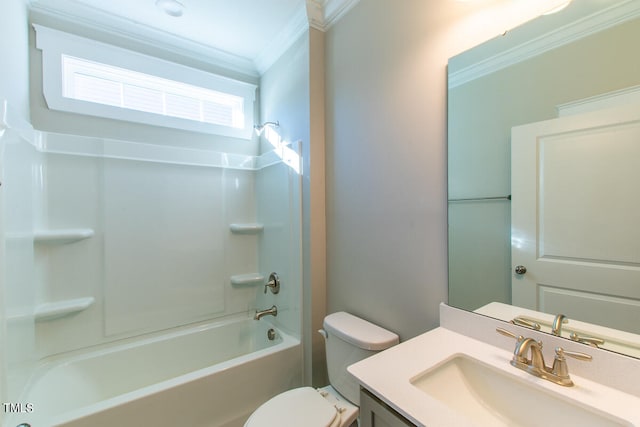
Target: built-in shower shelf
(56,310)
(246,228)
(247,279)
(63,236)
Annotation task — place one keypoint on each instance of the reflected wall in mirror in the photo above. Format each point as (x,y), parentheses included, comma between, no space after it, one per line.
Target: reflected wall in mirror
(587,50)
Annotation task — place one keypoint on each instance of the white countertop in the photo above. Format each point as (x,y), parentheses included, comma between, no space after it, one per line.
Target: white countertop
(388,375)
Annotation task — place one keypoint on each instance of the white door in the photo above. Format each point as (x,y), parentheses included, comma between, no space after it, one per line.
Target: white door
(576,217)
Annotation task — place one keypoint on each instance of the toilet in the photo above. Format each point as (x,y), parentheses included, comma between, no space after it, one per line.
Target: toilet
(349,339)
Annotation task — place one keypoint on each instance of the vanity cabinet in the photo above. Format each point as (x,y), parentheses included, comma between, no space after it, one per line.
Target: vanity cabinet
(376,413)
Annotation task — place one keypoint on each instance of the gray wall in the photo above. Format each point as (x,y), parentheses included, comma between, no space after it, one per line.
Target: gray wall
(386,156)
(386,153)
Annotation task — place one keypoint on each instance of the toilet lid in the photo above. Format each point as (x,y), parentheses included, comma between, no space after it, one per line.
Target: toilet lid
(298,407)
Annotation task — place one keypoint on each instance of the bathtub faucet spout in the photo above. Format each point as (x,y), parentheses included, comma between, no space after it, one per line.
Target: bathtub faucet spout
(273,311)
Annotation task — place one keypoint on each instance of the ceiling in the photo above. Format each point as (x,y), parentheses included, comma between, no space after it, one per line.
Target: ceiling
(246,35)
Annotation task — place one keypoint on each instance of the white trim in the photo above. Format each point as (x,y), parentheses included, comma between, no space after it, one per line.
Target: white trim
(322,15)
(334,10)
(581,28)
(54,44)
(126,150)
(627,96)
(318,14)
(84,146)
(76,145)
(115,25)
(283,41)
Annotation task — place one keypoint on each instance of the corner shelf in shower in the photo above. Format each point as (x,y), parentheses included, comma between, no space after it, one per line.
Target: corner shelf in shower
(246,228)
(58,309)
(62,236)
(247,279)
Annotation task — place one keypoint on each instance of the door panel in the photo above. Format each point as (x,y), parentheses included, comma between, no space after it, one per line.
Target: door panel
(575,216)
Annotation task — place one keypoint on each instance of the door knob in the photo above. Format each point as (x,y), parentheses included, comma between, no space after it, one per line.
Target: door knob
(520,269)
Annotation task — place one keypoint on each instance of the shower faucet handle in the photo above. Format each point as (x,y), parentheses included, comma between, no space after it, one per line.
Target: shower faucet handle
(273,283)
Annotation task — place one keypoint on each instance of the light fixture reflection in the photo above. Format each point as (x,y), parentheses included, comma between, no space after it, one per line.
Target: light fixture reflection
(557,8)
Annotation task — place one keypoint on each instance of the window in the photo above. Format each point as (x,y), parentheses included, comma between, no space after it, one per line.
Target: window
(87,77)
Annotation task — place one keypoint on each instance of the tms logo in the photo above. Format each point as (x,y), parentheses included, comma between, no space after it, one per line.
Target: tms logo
(23,408)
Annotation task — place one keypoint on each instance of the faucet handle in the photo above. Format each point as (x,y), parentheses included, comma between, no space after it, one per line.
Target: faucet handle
(519,338)
(560,368)
(592,341)
(509,334)
(575,354)
(273,283)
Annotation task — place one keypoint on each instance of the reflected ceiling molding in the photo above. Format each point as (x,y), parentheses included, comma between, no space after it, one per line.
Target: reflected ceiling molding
(627,96)
(622,12)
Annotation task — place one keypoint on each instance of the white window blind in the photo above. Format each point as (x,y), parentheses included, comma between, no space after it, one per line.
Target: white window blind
(90,81)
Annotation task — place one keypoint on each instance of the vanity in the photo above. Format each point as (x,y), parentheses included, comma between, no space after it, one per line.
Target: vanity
(460,375)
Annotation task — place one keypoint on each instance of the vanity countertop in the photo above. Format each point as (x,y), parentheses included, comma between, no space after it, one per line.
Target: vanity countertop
(388,375)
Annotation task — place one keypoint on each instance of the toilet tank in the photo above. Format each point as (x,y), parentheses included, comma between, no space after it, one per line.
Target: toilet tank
(350,339)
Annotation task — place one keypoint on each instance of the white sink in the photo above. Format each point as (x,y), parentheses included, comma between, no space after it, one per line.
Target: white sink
(493,397)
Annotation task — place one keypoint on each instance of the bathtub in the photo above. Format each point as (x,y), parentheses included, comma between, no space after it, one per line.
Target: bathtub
(210,375)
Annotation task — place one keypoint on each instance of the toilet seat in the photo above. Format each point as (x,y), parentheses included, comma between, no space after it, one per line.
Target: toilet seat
(303,406)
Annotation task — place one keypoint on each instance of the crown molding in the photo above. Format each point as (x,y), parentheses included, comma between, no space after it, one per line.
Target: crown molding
(569,33)
(617,98)
(318,14)
(126,29)
(322,14)
(283,41)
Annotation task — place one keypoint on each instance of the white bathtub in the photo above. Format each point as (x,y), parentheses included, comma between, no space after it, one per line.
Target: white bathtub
(211,375)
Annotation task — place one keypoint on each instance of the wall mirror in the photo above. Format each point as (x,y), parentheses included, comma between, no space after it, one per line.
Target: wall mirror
(556,65)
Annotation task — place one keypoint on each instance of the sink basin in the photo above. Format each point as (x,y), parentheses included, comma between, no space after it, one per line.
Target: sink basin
(492,397)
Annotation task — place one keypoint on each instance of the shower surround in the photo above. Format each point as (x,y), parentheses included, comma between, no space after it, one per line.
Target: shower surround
(114,241)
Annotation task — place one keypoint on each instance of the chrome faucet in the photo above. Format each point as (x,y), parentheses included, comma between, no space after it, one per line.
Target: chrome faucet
(273,311)
(556,326)
(558,373)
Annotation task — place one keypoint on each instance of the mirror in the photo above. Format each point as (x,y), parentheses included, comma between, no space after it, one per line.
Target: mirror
(524,76)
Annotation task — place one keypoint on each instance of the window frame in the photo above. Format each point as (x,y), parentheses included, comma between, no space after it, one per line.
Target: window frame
(55,44)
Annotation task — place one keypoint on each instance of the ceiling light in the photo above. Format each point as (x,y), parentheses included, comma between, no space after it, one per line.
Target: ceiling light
(171,7)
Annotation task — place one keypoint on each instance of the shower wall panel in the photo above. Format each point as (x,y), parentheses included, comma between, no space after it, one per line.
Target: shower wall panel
(165,230)
(18,159)
(280,248)
(69,198)
(160,253)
